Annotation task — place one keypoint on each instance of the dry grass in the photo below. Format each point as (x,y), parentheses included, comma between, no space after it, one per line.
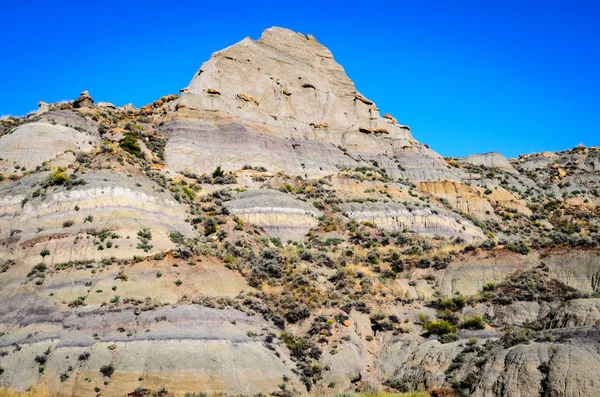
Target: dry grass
(40,392)
(271,290)
(443,250)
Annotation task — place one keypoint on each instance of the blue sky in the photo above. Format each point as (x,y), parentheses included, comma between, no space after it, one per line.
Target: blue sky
(467,76)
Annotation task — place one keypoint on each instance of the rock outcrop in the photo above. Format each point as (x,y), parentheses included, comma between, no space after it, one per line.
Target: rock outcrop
(268,232)
(32,144)
(307,105)
(419,220)
(493,160)
(279,214)
(84,101)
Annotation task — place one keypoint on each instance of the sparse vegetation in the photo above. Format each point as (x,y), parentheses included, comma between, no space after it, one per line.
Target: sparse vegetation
(107,370)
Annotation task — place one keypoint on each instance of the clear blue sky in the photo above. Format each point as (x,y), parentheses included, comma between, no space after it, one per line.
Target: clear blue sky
(467,76)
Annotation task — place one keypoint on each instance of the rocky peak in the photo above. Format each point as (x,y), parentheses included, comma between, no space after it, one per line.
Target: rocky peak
(286,81)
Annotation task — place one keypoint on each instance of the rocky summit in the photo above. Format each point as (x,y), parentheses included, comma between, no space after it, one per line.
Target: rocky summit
(267,230)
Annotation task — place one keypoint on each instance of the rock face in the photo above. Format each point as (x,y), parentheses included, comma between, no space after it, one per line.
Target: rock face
(577,313)
(293,81)
(268,232)
(65,218)
(44,142)
(516,372)
(492,160)
(278,213)
(197,147)
(314,116)
(462,197)
(419,220)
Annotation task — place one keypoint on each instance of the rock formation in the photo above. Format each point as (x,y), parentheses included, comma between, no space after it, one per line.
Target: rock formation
(267,231)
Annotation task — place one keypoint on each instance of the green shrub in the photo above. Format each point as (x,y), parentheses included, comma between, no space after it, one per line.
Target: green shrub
(129,143)
(218,172)
(145,233)
(210,226)
(517,336)
(38,270)
(439,327)
(518,247)
(473,322)
(448,338)
(177,237)
(189,192)
(80,301)
(397,384)
(57,178)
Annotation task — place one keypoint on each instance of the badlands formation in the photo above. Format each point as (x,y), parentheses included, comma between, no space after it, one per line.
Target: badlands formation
(268,231)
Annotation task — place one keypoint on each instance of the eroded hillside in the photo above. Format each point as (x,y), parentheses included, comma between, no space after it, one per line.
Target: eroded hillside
(268,231)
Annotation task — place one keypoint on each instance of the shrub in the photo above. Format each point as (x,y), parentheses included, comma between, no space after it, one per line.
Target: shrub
(448,338)
(473,322)
(517,336)
(129,143)
(44,253)
(297,313)
(68,223)
(518,247)
(38,269)
(397,384)
(439,327)
(41,359)
(300,347)
(80,301)
(189,192)
(210,226)
(56,178)
(454,304)
(176,237)
(448,315)
(218,172)
(145,233)
(107,370)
